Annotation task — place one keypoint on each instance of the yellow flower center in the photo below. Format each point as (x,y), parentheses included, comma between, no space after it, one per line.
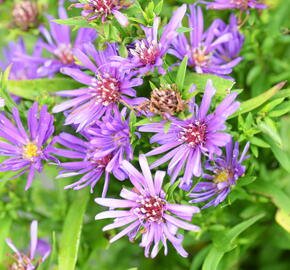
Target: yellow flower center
(222,176)
(30,150)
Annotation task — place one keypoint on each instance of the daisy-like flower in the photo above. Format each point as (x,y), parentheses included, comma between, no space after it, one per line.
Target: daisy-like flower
(20,70)
(94,9)
(186,140)
(106,145)
(109,87)
(38,247)
(26,150)
(148,53)
(226,171)
(58,44)
(147,212)
(234,4)
(204,50)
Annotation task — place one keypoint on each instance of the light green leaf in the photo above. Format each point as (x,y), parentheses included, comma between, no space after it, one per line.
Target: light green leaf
(255,102)
(4,233)
(9,103)
(76,21)
(149,120)
(35,89)
(283,219)
(158,8)
(71,233)
(223,86)
(183,29)
(181,73)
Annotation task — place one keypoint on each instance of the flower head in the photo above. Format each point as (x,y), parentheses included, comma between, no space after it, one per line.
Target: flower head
(109,87)
(94,9)
(226,171)
(186,140)
(20,70)
(147,54)
(205,49)
(37,247)
(58,43)
(107,144)
(26,149)
(234,4)
(25,14)
(148,212)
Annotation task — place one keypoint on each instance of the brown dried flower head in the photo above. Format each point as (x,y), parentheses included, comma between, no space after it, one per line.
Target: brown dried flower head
(165,100)
(25,14)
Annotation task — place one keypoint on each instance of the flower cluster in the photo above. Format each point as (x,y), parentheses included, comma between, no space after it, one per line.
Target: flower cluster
(190,136)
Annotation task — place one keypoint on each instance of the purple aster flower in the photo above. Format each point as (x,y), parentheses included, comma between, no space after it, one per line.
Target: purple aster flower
(148,53)
(37,247)
(58,44)
(26,150)
(23,70)
(104,91)
(186,140)
(106,145)
(204,50)
(94,9)
(148,212)
(233,4)
(226,171)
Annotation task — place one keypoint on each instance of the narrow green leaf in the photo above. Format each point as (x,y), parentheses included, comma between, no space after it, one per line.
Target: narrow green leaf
(76,21)
(148,120)
(181,73)
(4,231)
(213,258)
(283,219)
(35,89)
(158,8)
(71,233)
(9,103)
(183,29)
(255,102)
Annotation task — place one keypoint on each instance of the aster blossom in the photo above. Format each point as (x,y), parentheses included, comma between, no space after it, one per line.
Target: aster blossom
(37,247)
(109,87)
(147,53)
(94,9)
(26,150)
(226,171)
(148,212)
(204,50)
(187,140)
(106,144)
(20,70)
(58,44)
(234,4)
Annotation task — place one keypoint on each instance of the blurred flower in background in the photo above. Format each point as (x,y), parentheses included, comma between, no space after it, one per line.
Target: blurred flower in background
(38,247)
(234,4)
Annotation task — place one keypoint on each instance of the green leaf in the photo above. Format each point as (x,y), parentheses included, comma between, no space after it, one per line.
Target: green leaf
(283,219)
(4,231)
(271,132)
(280,109)
(181,73)
(9,103)
(282,156)
(149,120)
(273,191)
(71,233)
(36,89)
(226,243)
(76,21)
(183,29)
(255,102)
(223,86)
(158,8)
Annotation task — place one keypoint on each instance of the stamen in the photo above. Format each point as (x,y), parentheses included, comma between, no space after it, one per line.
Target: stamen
(147,53)
(64,54)
(105,90)
(194,134)
(30,151)
(151,209)
(222,176)
(199,57)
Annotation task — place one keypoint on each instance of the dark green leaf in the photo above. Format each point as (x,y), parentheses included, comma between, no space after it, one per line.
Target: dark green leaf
(181,73)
